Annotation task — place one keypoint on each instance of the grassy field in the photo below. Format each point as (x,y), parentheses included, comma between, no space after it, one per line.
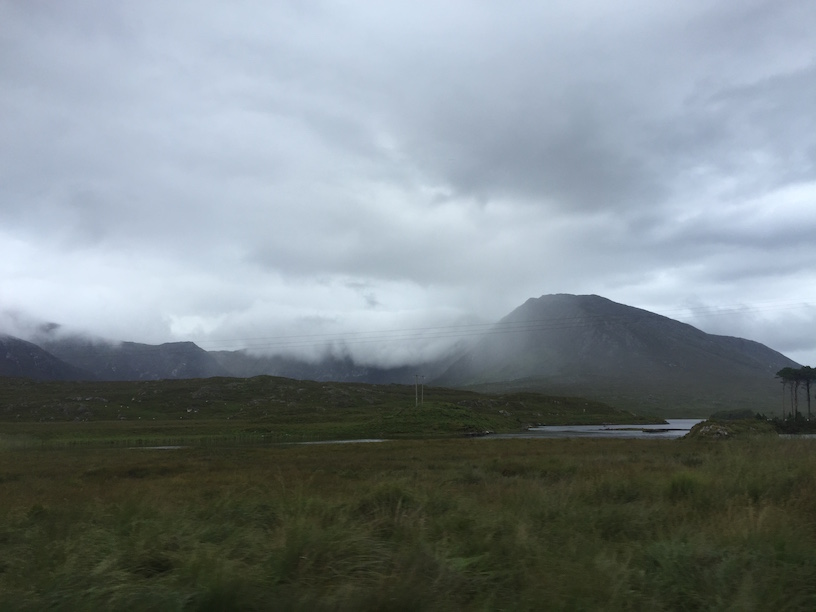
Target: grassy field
(238,518)
(458,524)
(665,396)
(266,409)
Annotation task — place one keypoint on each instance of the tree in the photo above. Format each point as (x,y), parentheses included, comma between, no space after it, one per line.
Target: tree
(808,375)
(794,378)
(786,376)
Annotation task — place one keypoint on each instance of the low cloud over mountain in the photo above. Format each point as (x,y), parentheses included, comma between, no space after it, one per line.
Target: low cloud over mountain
(590,346)
(560,344)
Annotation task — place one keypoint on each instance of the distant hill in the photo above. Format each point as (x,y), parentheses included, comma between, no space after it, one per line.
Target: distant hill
(135,361)
(267,409)
(244,364)
(631,358)
(178,360)
(23,359)
(564,345)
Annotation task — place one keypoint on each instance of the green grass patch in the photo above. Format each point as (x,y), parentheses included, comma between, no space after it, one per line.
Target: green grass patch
(266,410)
(413,525)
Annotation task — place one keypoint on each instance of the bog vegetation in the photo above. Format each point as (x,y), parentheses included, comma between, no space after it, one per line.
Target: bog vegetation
(461,524)
(267,409)
(232,518)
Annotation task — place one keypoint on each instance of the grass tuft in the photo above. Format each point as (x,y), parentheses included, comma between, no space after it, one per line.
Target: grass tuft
(412,525)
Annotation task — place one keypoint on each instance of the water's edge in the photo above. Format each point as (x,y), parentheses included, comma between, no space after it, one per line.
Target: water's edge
(672,429)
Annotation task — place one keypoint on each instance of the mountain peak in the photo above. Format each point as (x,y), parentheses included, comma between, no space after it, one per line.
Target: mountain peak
(591,346)
(20,358)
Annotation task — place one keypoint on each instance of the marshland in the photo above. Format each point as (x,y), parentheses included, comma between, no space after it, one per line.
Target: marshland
(446,523)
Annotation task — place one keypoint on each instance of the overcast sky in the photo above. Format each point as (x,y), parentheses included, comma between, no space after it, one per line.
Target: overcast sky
(279,174)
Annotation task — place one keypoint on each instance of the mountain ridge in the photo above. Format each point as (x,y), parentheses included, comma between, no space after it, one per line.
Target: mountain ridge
(22,359)
(560,344)
(134,360)
(565,343)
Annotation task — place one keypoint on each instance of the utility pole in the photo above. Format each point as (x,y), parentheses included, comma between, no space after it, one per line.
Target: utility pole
(419,389)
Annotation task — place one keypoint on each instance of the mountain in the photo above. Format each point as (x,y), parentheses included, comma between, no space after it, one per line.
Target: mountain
(176,360)
(244,364)
(26,360)
(135,361)
(633,359)
(566,345)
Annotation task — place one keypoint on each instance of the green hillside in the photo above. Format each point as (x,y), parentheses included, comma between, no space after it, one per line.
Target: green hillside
(270,409)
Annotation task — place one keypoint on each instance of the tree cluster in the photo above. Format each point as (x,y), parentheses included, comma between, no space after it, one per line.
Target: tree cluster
(795,379)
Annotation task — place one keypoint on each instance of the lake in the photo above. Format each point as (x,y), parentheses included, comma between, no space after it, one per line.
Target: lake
(672,429)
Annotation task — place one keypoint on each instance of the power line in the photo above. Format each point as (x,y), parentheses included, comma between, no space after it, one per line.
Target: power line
(274,344)
(478,329)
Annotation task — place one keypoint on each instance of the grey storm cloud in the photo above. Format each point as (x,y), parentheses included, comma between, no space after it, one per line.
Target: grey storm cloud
(227,171)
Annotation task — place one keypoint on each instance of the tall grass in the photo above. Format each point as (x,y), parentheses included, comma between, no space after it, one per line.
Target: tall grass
(412,525)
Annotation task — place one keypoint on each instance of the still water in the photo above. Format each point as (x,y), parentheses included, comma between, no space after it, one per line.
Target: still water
(672,429)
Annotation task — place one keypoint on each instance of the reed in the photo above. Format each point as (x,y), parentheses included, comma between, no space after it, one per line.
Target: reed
(411,525)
